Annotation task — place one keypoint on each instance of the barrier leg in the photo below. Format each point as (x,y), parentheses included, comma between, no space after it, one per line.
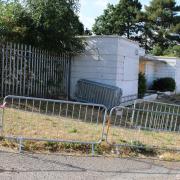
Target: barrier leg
(20,145)
(92,150)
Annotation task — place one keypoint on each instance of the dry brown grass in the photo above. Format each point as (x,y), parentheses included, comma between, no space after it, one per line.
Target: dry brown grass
(170,156)
(34,125)
(148,138)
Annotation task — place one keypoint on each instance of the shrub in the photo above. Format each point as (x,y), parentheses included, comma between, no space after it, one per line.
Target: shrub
(141,85)
(157,50)
(164,84)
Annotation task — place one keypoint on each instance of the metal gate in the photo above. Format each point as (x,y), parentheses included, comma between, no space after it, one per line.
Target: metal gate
(29,71)
(147,124)
(37,119)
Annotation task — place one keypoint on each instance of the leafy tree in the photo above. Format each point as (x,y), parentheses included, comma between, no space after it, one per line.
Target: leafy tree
(104,23)
(157,28)
(162,12)
(172,51)
(48,24)
(157,50)
(164,24)
(176,50)
(176,28)
(121,19)
(9,15)
(145,33)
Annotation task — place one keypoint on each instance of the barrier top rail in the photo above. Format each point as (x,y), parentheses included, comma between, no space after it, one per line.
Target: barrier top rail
(143,110)
(155,102)
(52,100)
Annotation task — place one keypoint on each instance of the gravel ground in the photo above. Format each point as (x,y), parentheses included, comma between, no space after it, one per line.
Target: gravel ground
(14,166)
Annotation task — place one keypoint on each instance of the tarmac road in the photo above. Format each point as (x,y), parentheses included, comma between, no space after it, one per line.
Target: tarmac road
(14,166)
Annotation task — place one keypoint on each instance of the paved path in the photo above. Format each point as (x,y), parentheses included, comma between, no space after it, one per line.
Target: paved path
(56,167)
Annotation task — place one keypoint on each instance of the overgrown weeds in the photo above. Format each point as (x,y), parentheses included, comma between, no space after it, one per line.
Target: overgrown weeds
(135,149)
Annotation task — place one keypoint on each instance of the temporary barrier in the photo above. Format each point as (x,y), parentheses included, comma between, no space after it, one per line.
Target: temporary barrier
(148,124)
(170,121)
(93,92)
(28,118)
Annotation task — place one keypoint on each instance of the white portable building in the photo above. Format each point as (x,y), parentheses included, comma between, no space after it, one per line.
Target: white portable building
(112,60)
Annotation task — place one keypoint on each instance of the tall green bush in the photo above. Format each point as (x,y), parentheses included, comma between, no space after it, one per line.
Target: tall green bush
(141,85)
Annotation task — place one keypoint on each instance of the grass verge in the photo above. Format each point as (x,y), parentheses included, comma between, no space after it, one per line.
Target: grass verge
(33,125)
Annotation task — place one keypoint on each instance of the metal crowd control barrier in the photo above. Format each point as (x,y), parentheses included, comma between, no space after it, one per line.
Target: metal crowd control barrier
(148,124)
(94,92)
(128,100)
(156,106)
(171,118)
(37,119)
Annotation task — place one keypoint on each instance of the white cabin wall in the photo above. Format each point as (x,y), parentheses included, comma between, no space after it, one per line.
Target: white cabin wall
(150,73)
(127,66)
(98,63)
(177,76)
(165,69)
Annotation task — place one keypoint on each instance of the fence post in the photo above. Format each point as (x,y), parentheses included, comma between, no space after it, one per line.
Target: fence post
(69,78)
(2,70)
(20,144)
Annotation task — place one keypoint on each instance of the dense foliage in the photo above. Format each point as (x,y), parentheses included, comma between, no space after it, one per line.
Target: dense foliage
(157,28)
(164,84)
(141,85)
(120,19)
(48,24)
(165,21)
